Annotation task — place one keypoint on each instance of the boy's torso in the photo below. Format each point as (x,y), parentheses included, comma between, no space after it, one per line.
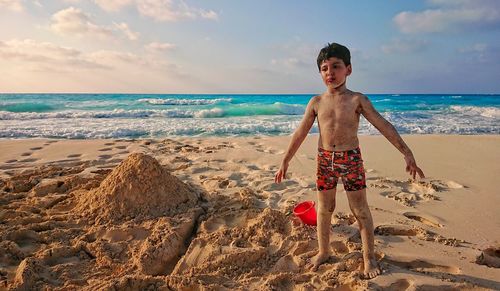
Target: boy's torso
(338,121)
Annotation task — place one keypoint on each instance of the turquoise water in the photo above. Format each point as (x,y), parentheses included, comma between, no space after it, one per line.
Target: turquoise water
(158,115)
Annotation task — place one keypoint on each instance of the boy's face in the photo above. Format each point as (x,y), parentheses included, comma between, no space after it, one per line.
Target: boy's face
(334,72)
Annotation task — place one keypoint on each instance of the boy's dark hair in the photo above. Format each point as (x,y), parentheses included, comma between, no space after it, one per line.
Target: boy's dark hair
(334,50)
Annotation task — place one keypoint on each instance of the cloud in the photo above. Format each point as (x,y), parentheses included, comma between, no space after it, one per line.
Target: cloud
(12,5)
(40,56)
(159,47)
(171,10)
(123,27)
(112,5)
(44,54)
(404,46)
(74,22)
(450,15)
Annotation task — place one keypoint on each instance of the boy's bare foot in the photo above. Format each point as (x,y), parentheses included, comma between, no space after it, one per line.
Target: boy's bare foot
(372,269)
(317,260)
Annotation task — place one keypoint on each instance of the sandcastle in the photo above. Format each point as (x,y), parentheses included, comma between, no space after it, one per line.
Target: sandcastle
(137,188)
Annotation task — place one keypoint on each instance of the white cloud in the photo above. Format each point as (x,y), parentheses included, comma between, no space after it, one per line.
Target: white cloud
(51,57)
(449,15)
(172,10)
(209,15)
(44,54)
(74,22)
(123,27)
(159,47)
(13,5)
(112,5)
(405,46)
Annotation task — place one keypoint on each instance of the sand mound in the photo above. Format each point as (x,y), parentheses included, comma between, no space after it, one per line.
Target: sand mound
(139,187)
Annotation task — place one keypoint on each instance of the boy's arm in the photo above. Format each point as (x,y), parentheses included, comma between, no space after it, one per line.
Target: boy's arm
(297,138)
(388,130)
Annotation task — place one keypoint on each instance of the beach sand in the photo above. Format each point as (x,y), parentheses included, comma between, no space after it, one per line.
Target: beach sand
(195,213)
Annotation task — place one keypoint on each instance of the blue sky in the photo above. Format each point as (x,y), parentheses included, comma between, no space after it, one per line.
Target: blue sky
(228,46)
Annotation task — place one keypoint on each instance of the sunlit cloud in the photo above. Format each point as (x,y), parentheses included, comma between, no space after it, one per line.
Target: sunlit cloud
(159,47)
(171,10)
(49,57)
(12,5)
(37,55)
(123,27)
(449,16)
(112,5)
(74,22)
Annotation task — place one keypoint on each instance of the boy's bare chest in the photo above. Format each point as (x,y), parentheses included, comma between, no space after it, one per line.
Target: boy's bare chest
(338,111)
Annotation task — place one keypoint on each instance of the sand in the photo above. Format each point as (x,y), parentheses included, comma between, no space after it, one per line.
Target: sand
(205,214)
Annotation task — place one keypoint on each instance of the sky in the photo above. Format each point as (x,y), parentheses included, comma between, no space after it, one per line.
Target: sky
(247,47)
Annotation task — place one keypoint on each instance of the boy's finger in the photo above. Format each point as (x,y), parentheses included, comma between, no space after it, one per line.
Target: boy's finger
(421,173)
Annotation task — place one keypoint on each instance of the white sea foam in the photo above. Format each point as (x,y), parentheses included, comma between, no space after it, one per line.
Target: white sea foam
(207,113)
(155,127)
(174,101)
(490,112)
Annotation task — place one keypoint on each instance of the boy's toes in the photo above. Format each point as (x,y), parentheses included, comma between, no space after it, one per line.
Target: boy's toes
(372,274)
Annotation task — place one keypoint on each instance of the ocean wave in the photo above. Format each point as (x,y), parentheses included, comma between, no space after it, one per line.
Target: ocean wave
(78,114)
(490,112)
(120,128)
(174,101)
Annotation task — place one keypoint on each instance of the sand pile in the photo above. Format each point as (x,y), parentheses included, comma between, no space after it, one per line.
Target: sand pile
(137,188)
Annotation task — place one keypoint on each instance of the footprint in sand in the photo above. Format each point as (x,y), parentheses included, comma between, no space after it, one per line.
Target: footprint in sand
(396,230)
(10,161)
(423,218)
(423,266)
(36,148)
(28,160)
(74,156)
(104,157)
(105,149)
(401,284)
(109,144)
(410,192)
(420,233)
(120,147)
(26,154)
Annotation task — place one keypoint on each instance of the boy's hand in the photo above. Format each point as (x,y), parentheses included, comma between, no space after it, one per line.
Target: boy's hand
(411,167)
(281,174)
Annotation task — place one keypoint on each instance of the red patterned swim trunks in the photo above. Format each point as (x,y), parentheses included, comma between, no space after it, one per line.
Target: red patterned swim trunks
(347,165)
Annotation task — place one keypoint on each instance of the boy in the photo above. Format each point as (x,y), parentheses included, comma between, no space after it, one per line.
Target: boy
(338,111)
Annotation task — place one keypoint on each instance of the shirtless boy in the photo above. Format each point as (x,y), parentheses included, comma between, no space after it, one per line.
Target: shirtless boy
(338,111)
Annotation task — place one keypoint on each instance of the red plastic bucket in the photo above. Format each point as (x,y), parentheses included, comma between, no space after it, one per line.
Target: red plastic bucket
(306,212)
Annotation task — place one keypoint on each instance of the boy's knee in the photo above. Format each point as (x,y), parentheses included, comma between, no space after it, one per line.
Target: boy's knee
(361,212)
(327,206)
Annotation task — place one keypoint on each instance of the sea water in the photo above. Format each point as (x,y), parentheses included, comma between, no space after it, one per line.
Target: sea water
(162,115)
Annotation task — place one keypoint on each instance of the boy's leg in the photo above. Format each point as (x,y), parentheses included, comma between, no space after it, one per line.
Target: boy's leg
(326,206)
(359,207)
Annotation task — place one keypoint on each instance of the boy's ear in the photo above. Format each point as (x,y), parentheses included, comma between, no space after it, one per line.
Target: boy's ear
(349,69)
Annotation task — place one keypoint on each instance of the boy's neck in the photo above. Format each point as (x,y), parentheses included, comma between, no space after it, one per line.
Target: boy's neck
(338,90)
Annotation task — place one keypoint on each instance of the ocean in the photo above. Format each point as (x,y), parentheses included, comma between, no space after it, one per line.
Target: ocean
(82,116)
